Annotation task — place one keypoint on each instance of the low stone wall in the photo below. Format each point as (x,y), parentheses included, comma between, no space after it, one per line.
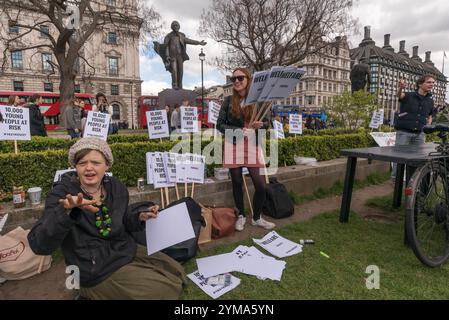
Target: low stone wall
(301,179)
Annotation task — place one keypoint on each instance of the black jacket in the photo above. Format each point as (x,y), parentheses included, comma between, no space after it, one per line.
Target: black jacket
(226,120)
(414,111)
(96,257)
(37,125)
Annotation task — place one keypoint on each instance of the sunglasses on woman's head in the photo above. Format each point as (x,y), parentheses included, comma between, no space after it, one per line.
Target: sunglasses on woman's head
(239,78)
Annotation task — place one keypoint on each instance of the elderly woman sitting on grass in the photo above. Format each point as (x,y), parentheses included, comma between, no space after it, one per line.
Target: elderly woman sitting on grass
(87,215)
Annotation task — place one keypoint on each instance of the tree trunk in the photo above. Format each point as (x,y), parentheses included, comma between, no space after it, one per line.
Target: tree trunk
(67,92)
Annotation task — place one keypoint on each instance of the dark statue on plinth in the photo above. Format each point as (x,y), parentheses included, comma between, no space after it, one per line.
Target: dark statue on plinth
(360,77)
(173,53)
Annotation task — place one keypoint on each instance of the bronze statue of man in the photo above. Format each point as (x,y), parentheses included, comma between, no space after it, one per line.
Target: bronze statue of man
(360,77)
(173,53)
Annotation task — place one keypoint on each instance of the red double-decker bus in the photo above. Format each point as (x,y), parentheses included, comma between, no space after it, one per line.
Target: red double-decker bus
(149,103)
(50,106)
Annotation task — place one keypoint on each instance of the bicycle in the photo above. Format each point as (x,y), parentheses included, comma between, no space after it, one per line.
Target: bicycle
(427,204)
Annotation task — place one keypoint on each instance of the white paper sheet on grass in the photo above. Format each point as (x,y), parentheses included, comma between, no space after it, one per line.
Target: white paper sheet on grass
(278,245)
(172,226)
(3,221)
(219,264)
(253,262)
(211,290)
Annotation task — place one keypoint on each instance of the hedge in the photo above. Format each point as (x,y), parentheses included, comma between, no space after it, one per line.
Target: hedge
(30,169)
(48,143)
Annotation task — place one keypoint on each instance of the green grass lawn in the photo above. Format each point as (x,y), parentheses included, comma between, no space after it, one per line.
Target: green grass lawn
(386,204)
(352,248)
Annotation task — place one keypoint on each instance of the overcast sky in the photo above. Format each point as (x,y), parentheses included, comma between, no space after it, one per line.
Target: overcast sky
(421,23)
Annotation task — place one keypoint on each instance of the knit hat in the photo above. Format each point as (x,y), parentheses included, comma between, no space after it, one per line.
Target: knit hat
(94,144)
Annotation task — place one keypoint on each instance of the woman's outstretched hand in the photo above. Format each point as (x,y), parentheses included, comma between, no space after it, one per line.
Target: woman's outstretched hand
(150,214)
(71,202)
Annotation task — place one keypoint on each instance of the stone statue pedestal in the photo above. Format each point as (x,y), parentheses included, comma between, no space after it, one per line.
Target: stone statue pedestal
(172,97)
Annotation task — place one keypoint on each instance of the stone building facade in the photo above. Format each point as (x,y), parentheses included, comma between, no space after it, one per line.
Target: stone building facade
(113,62)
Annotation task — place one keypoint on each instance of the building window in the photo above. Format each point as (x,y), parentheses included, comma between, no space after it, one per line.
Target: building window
(48,86)
(16,59)
(46,62)
(113,66)
(45,31)
(18,85)
(77,88)
(114,90)
(112,38)
(115,112)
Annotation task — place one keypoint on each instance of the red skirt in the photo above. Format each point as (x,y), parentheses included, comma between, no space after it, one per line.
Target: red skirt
(243,154)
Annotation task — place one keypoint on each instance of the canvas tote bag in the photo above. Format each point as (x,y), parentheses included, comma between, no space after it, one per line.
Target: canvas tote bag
(17,260)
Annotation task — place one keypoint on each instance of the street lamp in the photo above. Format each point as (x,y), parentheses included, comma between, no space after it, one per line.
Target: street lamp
(132,108)
(202,58)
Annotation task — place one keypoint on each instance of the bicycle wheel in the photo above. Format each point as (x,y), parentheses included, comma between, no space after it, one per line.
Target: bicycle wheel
(427,210)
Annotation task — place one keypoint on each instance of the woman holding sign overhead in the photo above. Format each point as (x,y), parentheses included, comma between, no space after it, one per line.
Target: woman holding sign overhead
(234,121)
(87,215)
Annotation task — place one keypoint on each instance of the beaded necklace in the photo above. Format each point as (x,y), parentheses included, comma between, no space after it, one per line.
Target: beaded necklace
(103,221)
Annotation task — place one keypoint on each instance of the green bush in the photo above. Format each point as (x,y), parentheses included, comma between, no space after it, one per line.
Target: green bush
(37,144)
(30,169)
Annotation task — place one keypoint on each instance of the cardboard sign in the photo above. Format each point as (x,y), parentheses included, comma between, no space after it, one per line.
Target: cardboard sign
(287,80)
(384,139)
(273,78)
(195,166)
(257,85)
(377,119)
(170,166)
(160,179)
(148,159)
(15,124)
(295,123)
(279,129)
(97,125)
(157,124)
(214,111)
(189,120)
(181,167)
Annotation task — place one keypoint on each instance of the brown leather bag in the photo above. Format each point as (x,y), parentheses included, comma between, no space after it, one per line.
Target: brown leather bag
(223,222)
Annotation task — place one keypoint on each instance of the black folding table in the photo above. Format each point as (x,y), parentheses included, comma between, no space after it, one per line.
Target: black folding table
(411,155)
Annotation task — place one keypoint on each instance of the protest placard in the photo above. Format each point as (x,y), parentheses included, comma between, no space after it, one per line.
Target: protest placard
(279,129)
(15,124)
(295,123)
(194,168)
(384,139)
(377,119)
(148,160)
(257,85)
(97,125)
(157,124)
(270,83)
(189,120)
(287,80)
(160,179)
(214,291)
(170,166)
(214,111)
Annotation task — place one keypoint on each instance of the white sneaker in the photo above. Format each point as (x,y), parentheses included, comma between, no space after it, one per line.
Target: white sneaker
(263,223)
(240,223)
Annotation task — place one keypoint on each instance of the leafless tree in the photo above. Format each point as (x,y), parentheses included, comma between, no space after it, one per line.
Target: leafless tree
(72,24)
(263,33)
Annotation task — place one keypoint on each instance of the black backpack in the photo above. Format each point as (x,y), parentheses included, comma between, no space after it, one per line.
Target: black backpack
(278,203)
(185,250)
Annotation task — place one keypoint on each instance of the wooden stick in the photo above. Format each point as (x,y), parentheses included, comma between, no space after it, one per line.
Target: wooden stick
(193,190)
(185,189)
(247,194)
(266,110)
(162,199)
(262,107)
(255,111)
(16,148)
(264,167)
(41,264)
(167,196)
(177,191)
